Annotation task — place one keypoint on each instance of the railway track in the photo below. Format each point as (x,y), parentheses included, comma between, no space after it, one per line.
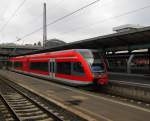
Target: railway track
(96,92)
(18,104)
(101,91)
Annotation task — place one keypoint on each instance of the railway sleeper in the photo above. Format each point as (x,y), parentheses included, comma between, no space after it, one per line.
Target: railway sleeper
(36,117)
(29,113)
(20,104)
(24,107)
(27,110)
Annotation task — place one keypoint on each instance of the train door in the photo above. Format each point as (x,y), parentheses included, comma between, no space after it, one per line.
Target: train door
(52,68)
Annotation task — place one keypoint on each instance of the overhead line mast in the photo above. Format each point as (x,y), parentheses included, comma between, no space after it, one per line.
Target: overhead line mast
(44,26)
(61,18)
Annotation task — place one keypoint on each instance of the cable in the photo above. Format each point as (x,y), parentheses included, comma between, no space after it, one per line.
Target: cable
(13,15)
(61,18)
(37,18)
(123,14)
(104,20)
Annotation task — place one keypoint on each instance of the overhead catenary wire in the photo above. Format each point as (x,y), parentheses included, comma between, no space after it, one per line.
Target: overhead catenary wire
(100,21)
(13,15)
(107,19)
(61,18)
(37,18)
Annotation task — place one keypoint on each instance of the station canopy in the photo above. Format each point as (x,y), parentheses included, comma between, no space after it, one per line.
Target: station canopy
(129,40)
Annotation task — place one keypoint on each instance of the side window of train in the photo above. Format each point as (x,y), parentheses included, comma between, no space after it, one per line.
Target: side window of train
(50,67)
(63,68)
(10,64)
(77,69)
(43,66)
(18,64)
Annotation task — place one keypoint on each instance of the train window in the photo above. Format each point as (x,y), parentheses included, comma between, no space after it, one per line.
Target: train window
(77,69)
(18,64)
(86,54)
(9,64)
(96,55)
(43,66)
(50,70)
(90,54)
(97,68)
(63,68)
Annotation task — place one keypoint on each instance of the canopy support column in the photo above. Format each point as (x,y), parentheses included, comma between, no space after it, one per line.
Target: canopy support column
(129,63)
(149,58)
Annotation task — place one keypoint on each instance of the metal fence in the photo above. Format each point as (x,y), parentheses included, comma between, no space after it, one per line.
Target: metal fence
(129,63)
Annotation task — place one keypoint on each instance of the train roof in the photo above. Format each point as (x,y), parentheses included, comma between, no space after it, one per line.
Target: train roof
(56,52)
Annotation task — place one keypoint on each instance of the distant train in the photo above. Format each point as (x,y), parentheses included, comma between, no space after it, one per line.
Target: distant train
(77,67)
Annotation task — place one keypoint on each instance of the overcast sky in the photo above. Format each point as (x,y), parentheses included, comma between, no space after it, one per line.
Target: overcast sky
(96,20)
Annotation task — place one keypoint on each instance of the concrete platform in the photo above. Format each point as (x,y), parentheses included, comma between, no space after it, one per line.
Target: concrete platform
(97,106)
(132,78)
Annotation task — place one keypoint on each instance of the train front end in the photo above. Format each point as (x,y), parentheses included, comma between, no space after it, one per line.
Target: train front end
(97,66)
(99,72)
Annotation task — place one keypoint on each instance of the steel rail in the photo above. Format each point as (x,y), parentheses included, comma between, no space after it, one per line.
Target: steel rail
(15,116)
(55,117)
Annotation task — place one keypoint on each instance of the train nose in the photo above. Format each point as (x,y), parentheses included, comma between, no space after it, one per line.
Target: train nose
(102,79)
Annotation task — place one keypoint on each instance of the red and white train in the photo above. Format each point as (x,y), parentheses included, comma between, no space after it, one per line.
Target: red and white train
(76,67)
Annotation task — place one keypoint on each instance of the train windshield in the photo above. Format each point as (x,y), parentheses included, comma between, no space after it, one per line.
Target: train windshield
(94,59)
(97,68)
(90,54)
